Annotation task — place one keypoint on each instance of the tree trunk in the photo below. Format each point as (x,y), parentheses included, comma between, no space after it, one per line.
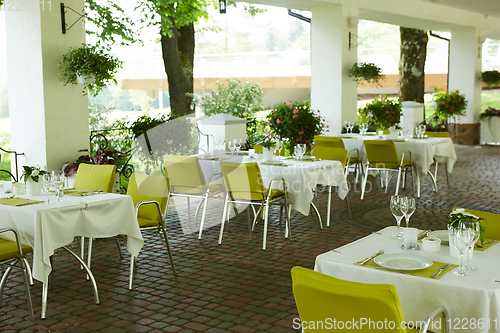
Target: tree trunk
(411,81)
(178,59)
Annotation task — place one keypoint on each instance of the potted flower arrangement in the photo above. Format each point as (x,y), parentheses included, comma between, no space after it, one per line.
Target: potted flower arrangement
(384,113)
(91,63)
(449,104)
(490,125)
(32,176)
(366,72)
(295,122)
(100,157)
(491,78)
(268,146)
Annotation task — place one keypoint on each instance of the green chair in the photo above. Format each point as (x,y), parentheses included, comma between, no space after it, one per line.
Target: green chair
(150,194)
(438,159)
(492,222)
(12,253)
(95,177)
(186,180)
(320,297)
(244,185)
(334,154)
(259,149)
(383,156)
(337,142)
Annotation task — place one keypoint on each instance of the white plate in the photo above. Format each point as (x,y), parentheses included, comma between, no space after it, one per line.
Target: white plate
(440,234)
(403,261)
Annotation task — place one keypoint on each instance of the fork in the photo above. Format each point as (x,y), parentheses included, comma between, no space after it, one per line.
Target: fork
(487,242)
(364,262)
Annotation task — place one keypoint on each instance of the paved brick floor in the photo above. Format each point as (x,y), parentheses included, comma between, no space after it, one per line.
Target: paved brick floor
(235,287)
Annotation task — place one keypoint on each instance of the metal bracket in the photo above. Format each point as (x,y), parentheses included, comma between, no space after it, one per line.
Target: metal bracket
(63,18)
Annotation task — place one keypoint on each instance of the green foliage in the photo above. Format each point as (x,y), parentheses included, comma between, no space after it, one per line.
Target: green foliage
(490,112)
(33,173)
(366,72)
(257,129)
(295,122)
(90,62)
(235,98)
(449,104)
(491,78)
(460,215)
(383,113)
(268,143)
(113,25)
(97,116)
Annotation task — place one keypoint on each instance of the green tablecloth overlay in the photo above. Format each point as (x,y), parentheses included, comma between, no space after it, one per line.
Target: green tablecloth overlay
(18,202)
(426,272)
(81,193)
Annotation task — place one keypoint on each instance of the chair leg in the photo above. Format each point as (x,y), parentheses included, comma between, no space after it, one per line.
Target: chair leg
(82,249)
(89,255)
(118,247)
(397,183)
(24,268)
(288,230)
(328,207)
(386,181)
(131,276)
(266,217)
(319,216)
(446,170)
(28,269)
(348,207)
(203,216)
(418,182)
(189,211)
(255,217)
(413,180)
(436,170)
(2,282)
(223,219)
(364,183)
(169,250)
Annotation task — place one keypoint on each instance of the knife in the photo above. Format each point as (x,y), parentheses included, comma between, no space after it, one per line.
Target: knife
(440,271)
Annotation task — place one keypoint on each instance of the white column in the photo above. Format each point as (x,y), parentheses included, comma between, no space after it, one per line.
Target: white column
(333,93)
(465,69)
(49,122)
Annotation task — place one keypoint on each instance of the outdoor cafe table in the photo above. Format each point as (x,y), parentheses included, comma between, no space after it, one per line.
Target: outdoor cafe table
(47,227)
(301,178)
(471,298)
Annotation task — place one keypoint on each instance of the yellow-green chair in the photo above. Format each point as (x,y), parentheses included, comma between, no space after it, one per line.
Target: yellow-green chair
(12,253)
(337,142)
(187,180)
(244,185)
(333,154)
(438,159)
(383,156)
(492,222)
(321,298)
(383,130)
(95,177)
(259,149)
(150,194)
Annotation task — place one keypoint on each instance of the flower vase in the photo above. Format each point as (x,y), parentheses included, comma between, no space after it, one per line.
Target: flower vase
(268,154)
(394,134)
(33,188)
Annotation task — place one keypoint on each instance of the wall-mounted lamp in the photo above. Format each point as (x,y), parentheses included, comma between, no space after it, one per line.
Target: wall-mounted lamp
(222,6)
(352,22)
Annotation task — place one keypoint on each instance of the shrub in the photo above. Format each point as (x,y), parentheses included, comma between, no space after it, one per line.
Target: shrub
(383,113)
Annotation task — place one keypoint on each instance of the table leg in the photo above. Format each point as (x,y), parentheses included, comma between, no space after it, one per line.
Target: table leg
(45,289)
(89,273)
(434,184)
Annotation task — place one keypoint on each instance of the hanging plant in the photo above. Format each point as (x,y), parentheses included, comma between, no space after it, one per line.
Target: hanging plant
(491,78)
(368,72)
(91,65)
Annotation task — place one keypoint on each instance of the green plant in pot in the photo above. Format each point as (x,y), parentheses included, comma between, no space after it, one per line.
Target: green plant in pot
(491,78)
(90,63)
(368,72)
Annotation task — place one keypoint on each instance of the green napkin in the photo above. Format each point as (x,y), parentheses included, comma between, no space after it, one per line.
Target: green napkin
(426,272)
(277,164)
(18,202)
(81,193)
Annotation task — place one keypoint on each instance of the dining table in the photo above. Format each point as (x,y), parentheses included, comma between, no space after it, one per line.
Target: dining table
(472,301)
(424,151)
(47,227)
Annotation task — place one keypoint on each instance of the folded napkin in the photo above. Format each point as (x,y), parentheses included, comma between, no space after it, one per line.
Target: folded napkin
(18,202)
(426,272)
(81,193)
(277,164)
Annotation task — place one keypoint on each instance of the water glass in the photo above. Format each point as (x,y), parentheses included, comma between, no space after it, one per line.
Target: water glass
(461,240)
(58,181)
(47,184)
(475,232)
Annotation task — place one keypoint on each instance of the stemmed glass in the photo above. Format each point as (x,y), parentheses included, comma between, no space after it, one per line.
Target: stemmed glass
(399,207)
(461,240)
(47,183)
(279,147)
(411,209)
(238,143)
(418,131)
(58,181)
(232,146)
(422,130)
(363,128)
(475,231)
(299,151)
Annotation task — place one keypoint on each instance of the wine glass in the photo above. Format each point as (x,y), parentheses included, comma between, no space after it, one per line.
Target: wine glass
(47,183)
(418,131)
(58,181)
(302,150)
(397,213)
(238,143)
(475,232)
(411,209)
(422,130)
(232,146)
(349,127)
(461,240)
(279,147)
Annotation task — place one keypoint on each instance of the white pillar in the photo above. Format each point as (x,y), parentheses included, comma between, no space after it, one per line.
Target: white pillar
(49,122)
(332,91)
(465,69)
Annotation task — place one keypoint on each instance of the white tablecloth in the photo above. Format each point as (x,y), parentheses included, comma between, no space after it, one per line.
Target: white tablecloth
(422,151)
(476,296)
(48,227)
(300,180)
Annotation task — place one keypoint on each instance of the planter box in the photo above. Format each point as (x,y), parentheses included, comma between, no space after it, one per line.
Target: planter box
(490,130)
(464,134)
